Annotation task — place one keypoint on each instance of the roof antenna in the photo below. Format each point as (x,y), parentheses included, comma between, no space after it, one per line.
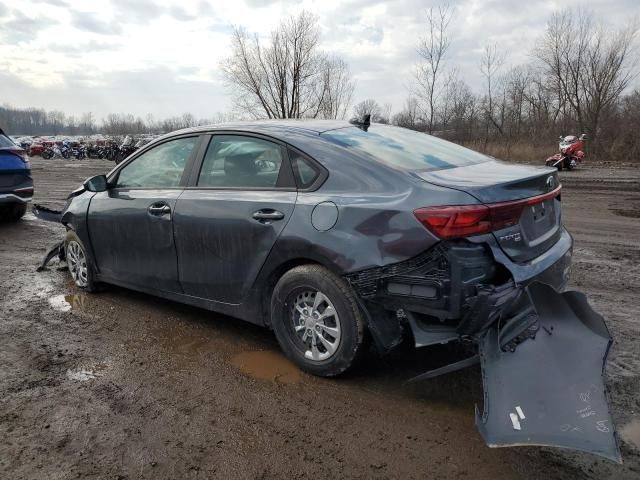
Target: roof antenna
(364,124)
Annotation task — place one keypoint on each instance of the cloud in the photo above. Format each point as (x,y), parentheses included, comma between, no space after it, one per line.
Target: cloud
(22,28)
(55,3)
(204,8)
(161,91)
(4,10)
(94,24)
(261,3)
(181,14)
(76,49)
(137,11)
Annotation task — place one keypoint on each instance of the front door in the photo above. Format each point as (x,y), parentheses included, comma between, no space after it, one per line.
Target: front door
(131,224)
(226,225)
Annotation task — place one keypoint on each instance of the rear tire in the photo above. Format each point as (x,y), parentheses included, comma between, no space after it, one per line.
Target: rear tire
(317,320)
(13,212)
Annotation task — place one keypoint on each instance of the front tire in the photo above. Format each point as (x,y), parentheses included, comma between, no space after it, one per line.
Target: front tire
(78,261)
(317,320)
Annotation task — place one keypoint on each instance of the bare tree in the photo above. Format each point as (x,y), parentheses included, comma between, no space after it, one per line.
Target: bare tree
(56,119)
(289,77)
(589,66)
(338,89)
(371,107)
(432,51)
(490,64)
(408,116)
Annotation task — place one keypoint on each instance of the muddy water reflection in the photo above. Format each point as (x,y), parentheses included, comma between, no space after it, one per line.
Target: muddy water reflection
(64,303)
(267,365)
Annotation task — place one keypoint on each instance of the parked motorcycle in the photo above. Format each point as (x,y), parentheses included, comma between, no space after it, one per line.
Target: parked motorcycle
(55,151)
(112,151)
(127,148)
(571,152)
(78,152)
(96,151)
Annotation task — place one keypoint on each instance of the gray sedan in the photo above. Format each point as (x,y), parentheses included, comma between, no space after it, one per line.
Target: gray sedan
(332,233)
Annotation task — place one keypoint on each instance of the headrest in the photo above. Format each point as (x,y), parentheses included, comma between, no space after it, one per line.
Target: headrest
(240,164)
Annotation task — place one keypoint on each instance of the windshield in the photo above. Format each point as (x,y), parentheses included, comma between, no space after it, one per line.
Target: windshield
(405,148)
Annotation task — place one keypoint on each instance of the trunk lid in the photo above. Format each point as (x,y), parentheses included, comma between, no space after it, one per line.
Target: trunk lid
(494,182)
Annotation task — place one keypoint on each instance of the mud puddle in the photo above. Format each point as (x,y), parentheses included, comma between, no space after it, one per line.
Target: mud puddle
(630,433)
(66,303)
(267,365)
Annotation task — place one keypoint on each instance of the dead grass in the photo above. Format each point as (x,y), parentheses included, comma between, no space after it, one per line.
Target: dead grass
(520,152)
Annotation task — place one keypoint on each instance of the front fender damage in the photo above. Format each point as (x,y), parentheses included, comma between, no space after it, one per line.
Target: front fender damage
(49,215)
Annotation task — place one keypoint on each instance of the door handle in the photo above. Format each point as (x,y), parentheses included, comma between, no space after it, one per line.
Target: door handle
(159,209)
(267,215)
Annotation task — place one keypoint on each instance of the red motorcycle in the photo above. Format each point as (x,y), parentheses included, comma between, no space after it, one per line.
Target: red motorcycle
(571,152)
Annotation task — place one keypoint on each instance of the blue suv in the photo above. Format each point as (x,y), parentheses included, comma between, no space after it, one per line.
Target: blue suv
(16,184)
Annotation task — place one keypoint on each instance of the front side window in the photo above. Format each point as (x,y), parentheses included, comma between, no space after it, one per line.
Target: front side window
(234,161)
(160,167)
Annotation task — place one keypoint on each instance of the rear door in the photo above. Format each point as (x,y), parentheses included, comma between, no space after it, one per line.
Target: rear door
(228,219)
(131,224)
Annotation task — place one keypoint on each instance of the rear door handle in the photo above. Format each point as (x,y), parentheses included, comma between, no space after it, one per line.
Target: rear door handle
(267,215)
(159,209)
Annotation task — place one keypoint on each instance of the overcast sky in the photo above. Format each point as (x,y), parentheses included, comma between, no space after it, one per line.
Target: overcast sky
(162,56)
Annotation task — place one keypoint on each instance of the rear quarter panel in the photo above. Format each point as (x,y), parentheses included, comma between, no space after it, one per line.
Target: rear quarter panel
(375,203)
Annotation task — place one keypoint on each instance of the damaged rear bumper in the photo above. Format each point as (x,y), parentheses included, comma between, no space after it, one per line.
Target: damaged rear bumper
(542,352)
(549,389)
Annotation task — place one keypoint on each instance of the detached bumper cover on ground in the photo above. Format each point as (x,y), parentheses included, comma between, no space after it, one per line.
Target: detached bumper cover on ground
(550,390)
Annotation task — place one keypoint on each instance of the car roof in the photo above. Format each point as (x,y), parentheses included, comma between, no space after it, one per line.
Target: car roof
(309,126)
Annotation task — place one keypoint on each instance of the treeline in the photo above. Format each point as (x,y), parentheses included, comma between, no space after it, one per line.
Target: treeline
(33,121)
(577,82)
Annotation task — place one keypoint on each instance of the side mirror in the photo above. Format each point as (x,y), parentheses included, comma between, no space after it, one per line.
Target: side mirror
(561,137)
(96,184)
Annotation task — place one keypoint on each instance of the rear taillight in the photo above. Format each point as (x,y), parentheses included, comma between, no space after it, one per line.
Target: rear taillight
(26,192)
(20,153)
(456,221)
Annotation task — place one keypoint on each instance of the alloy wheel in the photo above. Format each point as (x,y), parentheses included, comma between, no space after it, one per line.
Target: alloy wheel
(315,325)
(77,263)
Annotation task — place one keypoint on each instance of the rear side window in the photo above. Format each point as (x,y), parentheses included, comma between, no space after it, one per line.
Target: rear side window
(235,161)
(304,170)
(403,148)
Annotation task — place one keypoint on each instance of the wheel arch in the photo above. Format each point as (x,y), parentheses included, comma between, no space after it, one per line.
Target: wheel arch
(271,279)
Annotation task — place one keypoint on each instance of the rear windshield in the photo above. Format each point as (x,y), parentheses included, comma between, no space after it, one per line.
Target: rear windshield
(405,148)
(5,142)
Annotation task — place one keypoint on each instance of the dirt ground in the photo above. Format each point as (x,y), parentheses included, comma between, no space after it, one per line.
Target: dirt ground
(124,385)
